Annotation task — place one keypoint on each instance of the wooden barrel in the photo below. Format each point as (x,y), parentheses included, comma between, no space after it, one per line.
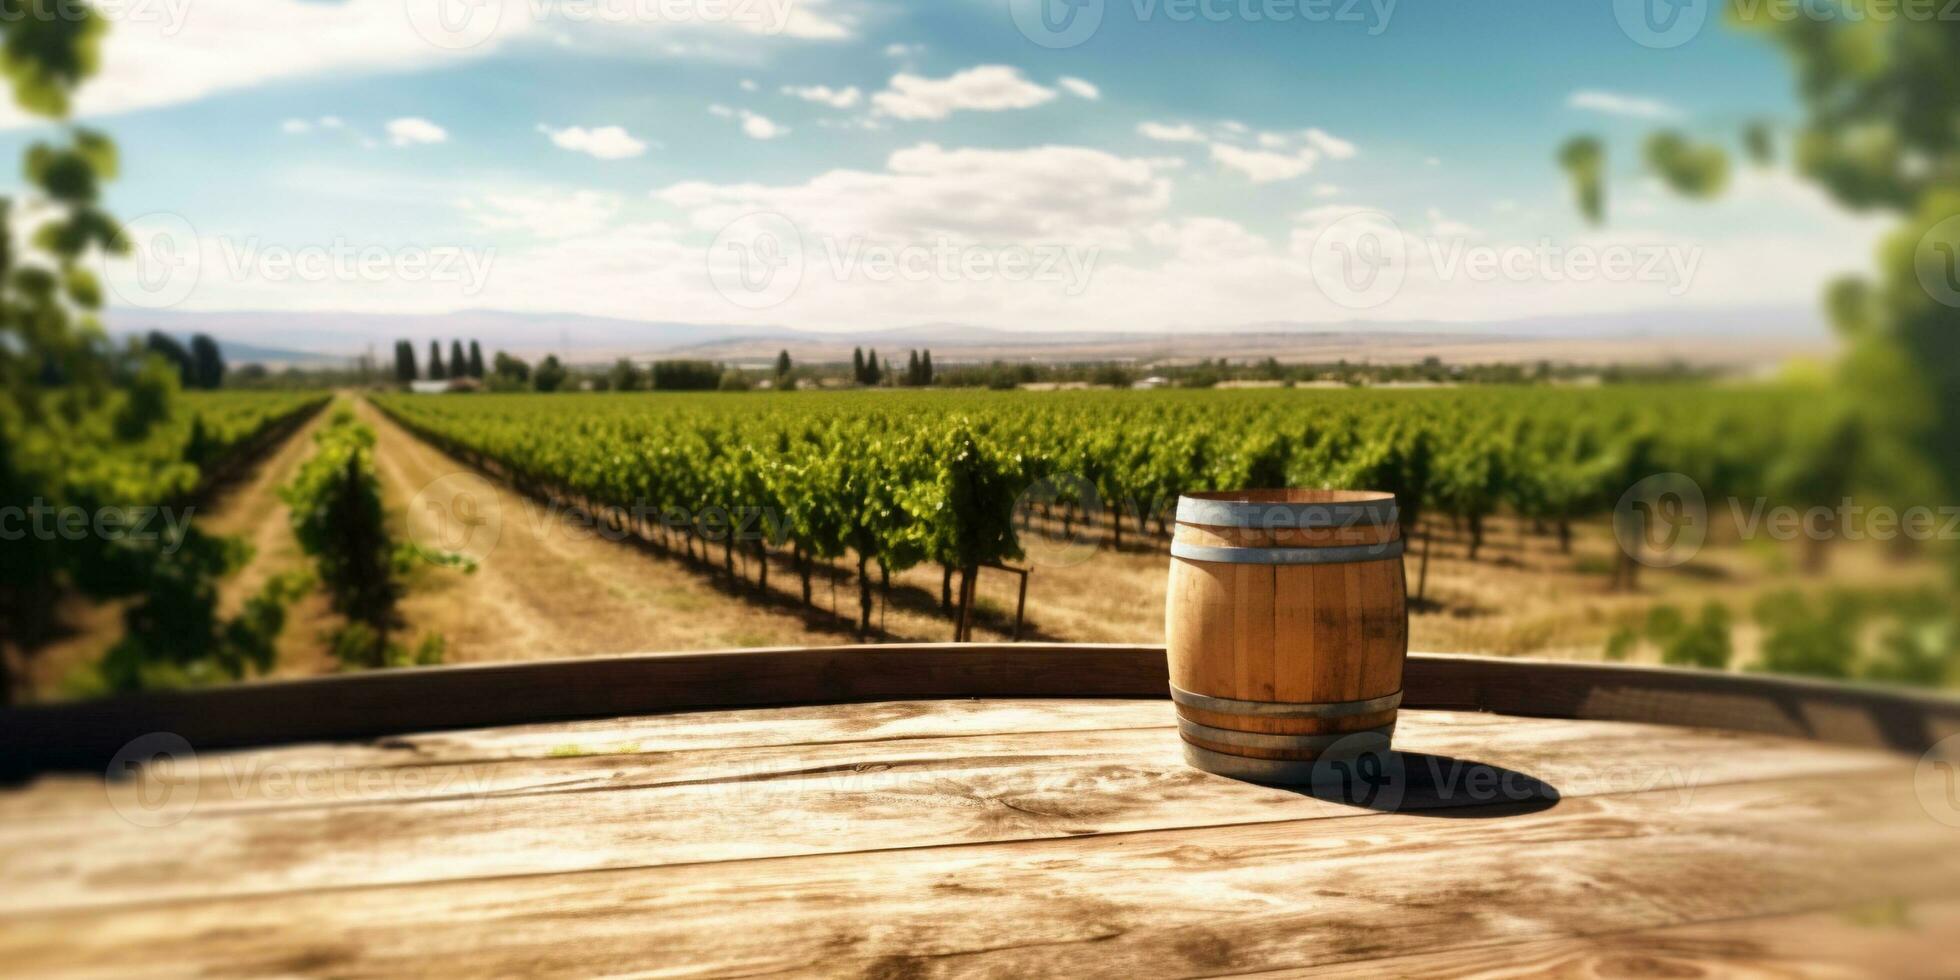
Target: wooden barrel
(1287,625)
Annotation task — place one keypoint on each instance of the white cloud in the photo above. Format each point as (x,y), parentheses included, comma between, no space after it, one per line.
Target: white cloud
(1440,226)
(1260,166)
(749,85)
(331,122)
(1166,133)
(987,88)
(1079,88)
(904,50)
(755,125)
(1332,147)
(926,192)
(546,214)
(760,127)
(836,98)
(414,131)
(1616,104)
(217,46)
(604,142)
(295,126)
(1326,190)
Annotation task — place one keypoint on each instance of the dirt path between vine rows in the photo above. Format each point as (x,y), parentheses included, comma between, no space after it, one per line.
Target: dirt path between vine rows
(551,586)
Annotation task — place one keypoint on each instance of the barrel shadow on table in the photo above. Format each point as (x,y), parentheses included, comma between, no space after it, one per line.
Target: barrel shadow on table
(1430,785)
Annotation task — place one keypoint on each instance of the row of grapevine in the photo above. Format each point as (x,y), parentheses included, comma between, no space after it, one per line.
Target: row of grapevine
(898,479)
(173,635)
(339,521)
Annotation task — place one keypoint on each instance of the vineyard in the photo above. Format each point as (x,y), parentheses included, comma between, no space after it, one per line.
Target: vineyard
(893,480)
(172,458)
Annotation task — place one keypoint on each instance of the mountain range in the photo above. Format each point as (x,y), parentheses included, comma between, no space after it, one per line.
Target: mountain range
(278,337)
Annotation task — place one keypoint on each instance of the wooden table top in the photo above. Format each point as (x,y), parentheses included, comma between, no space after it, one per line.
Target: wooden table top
(1002,837)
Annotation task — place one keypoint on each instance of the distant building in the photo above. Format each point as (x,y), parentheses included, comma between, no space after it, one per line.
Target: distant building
(1154,381)
(445,387)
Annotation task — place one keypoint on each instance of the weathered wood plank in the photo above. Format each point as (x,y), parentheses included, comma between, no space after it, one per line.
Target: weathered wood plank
(1883,940)
(1161,903)
(531,816)
(224,772)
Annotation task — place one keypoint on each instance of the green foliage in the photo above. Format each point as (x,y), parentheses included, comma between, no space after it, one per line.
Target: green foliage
(686,375)
(359,646)
(1692,170)
(1584,160)
(1705,644)
(405,369)
(550,375)
(625,377)
(338,520)
(1759,143)
(901,456)
(207,364)
(1811,638)
(1879,102)
(1620,644)
(91,429)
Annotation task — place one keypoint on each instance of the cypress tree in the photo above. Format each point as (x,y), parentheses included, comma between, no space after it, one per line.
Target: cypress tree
(912,369)
(476,361)
(459,366)
(207,363)
(436,372)
(925,367)
(857,365)
(871,372)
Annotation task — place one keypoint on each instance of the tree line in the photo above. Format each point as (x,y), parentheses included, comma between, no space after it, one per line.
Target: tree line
(459,365)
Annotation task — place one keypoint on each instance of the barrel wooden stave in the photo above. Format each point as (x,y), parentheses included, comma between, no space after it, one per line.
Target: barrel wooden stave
(1299,634)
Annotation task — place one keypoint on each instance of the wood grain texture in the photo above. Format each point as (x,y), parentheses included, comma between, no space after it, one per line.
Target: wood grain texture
(1010,838)
(265,829)
(1884,940)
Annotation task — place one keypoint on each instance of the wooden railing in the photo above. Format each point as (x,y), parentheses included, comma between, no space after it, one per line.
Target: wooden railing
(85,735)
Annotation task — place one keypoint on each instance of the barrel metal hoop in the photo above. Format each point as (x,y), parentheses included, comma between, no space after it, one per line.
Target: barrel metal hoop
(1276,516)
(1288,556)
(1292,772)
(1362,739)
(1285,709)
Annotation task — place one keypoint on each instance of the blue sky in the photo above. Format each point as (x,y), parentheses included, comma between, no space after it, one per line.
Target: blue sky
(1188,170)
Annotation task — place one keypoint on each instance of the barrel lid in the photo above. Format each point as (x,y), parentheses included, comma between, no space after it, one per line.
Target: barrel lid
(1278,510)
